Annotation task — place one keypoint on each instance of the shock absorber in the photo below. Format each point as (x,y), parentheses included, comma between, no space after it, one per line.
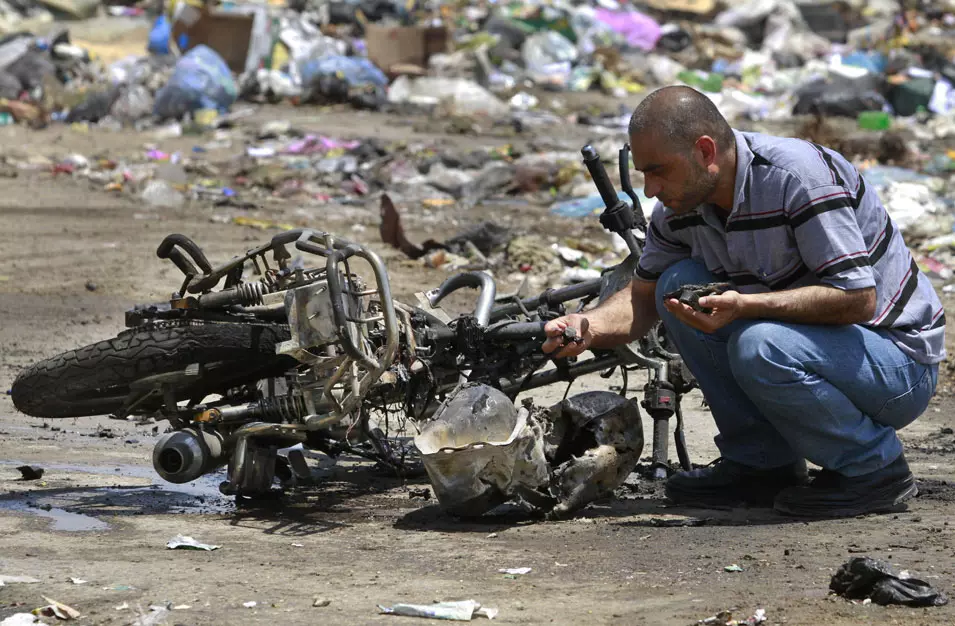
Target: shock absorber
(246,294)
(277,409)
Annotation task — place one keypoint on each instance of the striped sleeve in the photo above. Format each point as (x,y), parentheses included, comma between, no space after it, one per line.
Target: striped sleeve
(827,233)
(662,248)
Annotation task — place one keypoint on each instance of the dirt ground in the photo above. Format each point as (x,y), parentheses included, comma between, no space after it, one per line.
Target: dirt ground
(73,259)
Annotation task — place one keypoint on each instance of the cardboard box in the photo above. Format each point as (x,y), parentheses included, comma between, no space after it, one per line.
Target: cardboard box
(404,45)
(227,32)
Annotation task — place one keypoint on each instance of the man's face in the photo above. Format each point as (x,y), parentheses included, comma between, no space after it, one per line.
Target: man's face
(677,178)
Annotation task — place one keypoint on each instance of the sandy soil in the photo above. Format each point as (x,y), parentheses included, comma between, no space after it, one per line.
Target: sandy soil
(361,538)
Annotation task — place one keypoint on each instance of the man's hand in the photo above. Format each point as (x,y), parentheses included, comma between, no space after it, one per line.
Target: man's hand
(556,336)
(727,307)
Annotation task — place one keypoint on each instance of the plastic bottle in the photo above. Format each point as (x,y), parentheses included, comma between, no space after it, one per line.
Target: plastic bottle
(874,120)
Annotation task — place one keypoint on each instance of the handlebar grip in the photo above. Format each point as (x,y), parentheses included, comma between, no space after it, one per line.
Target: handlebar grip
(517,331)
(599,174)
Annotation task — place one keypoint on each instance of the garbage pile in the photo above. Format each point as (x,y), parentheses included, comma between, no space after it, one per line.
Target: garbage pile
(874,80)
(758,59)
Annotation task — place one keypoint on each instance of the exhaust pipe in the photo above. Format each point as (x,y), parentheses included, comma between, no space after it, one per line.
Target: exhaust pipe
(185,455)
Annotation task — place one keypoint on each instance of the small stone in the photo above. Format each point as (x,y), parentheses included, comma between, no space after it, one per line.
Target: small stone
(320,602)
(91,286)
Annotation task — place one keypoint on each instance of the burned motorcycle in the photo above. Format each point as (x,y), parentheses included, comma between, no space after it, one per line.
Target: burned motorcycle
(271,350)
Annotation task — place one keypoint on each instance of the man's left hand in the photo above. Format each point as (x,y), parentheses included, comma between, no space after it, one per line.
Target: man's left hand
(727,307)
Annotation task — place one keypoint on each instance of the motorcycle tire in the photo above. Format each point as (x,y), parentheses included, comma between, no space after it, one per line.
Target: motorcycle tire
(96,379)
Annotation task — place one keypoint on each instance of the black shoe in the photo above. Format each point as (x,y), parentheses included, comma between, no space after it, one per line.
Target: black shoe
(728,483)
(833,495)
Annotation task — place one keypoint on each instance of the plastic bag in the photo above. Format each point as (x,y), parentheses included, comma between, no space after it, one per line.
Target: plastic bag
(837,99)
(640,31)
(94,108)
(10,86)
(546,48)
(200,80)
(344,79)
(31,68)
(132,105)
(863,577)
(464,96)
(159,36)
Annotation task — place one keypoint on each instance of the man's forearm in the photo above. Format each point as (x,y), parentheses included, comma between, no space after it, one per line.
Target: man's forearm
(623,317)
(812,305)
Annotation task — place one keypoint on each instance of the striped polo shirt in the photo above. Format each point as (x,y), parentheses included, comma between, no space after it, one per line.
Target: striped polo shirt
(803,215)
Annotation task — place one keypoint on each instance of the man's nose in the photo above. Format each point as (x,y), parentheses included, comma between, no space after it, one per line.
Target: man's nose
(651,188)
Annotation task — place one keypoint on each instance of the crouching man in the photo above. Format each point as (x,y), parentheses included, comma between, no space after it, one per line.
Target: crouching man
(829,340)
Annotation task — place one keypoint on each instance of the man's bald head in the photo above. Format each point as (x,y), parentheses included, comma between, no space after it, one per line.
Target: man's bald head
(678,116)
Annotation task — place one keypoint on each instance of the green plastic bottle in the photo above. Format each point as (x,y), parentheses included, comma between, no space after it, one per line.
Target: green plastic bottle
(874,120)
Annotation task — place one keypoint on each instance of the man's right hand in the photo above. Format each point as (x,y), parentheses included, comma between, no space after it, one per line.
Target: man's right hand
(557,333)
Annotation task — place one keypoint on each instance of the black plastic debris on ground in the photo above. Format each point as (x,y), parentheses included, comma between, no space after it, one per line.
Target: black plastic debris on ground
(30,472)
(862,577)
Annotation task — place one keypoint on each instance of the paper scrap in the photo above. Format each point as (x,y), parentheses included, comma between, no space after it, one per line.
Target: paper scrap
(181,542)
(462,610)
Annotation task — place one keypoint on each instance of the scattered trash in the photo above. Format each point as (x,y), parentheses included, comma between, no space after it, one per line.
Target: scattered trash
(733,568)
(122,607)
(78,581)
(10,580)
(866,578)
(462,611)
(515,571)
(725,618)
(160,194)
(251,604)
(157,615)
(321,602)
(182,542)
(30,472)
(119,587)
(56,609)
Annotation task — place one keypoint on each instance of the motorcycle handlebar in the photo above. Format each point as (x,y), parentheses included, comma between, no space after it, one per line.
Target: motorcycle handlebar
(599,174)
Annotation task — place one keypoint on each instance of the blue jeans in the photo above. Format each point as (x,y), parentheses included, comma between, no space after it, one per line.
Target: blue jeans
(781,392)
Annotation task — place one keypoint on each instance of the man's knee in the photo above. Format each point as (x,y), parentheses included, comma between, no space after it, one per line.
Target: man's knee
(764,350)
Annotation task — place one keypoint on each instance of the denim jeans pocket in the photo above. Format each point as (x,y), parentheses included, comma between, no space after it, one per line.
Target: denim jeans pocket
(902,410)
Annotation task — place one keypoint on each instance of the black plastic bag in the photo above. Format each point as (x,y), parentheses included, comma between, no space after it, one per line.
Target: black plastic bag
(94,108)
(863,577)
(837,99)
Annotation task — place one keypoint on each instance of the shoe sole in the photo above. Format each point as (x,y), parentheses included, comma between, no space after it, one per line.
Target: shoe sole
(879,503)
(695,498)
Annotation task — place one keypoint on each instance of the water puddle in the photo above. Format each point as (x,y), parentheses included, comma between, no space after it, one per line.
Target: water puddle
(62,519)
(78,509)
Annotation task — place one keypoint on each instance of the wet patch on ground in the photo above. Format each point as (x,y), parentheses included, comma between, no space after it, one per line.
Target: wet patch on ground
(85,508)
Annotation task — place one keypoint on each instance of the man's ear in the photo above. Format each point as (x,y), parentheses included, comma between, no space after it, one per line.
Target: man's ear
(706,150)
